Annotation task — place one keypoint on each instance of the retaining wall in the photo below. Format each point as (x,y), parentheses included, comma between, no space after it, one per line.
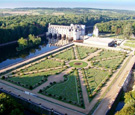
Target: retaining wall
(22,63)
(32,106)
(123,88)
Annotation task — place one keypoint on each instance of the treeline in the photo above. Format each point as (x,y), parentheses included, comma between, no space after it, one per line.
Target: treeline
(30,42)
(92,11)
(14,27)
(116,27)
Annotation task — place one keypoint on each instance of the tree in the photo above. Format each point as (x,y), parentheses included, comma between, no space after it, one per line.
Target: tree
(23,43)
(127,110)
(8,106)
(26,43)
(128,31)
(34,40)
(129,107)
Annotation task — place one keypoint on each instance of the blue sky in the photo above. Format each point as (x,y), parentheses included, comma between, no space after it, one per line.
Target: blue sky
(104,4)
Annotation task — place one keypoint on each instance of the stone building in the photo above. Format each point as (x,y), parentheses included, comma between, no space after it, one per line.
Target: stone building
(95,32)
(72,31)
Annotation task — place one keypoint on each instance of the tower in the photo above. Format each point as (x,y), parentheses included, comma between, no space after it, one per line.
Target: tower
(95,31)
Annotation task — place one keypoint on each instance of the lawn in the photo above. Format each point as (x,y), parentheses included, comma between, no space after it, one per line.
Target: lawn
(49,63)
(33,80)
(107,54)
(94,78)
(68,89)
(66,55)
(130,43)
(84,51)
(112,63)
(78,64)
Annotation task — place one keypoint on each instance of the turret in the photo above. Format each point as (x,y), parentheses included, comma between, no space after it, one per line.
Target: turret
(95,31)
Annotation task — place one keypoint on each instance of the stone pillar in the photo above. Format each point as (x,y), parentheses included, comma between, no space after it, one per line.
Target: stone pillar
(47,33)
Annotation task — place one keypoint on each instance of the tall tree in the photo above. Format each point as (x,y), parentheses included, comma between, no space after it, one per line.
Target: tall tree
(128,31)
(22,42)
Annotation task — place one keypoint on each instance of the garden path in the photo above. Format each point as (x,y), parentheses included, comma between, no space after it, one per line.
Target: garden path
(42,70)
(75,52)
(56,78)
(104,59)
(85,95)
(92,55)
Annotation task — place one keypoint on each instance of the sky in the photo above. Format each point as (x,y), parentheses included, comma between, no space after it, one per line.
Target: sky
(103,4)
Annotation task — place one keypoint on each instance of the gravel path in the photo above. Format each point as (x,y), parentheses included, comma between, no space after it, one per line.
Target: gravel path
(85,95)
(75,52)
(92,55)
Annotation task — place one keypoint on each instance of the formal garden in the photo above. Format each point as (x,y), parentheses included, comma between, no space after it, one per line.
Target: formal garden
(96,65)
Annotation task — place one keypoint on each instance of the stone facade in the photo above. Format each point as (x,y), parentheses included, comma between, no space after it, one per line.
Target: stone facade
(95,32)
(72,31)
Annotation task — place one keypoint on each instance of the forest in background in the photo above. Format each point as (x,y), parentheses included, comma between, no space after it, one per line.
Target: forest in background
(14,26)
(116,27)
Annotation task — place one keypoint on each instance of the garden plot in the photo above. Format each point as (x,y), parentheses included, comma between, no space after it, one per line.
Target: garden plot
(94,79)
(109,64)
(31,81)
(83,52)
(107,54)
(66,55)
(69,90)
(45,64)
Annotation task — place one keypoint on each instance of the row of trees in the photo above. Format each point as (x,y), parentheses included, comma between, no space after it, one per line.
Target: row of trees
(26,43)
